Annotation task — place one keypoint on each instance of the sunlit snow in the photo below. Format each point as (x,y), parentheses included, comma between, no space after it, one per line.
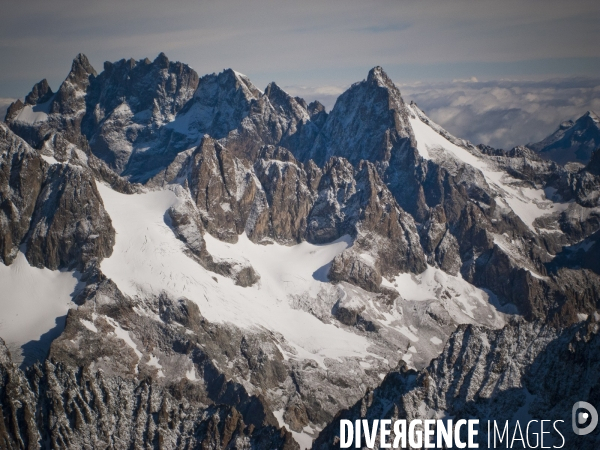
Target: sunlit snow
(148,259)
(527,203)
(31,300)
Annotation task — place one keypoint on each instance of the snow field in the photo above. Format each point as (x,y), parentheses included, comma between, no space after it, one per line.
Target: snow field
(31,299)
(148,259)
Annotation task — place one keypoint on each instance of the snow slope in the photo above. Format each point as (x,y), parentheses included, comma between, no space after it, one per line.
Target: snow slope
(148,259)
(464,302)
(31,300)
(32,114)
(525,202)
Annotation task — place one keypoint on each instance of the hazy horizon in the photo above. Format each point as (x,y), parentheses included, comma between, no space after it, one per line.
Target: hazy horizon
(536,63)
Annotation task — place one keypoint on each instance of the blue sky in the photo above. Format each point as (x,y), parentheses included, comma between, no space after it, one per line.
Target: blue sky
(309,46)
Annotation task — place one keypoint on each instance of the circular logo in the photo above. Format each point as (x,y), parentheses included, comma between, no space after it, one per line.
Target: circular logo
(582,417)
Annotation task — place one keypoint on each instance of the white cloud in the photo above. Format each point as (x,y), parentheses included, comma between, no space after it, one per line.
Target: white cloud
(505,113)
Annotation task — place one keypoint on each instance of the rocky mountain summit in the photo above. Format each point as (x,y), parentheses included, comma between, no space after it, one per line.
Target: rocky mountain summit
(574,141)
(192,261)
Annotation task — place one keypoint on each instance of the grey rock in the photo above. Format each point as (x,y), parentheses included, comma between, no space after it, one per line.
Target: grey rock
(128,108)
(70,227)
(491,374)
(288,196)
(367,121)
(65,109)
(573,141)
(40,93)
(21,178)
(55,406)
(348,267)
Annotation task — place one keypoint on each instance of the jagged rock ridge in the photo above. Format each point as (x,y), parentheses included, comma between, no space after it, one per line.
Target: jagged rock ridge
(406,222)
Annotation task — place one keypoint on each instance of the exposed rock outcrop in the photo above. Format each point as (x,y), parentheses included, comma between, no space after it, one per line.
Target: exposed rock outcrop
(521,371)
(21,178)
(70,227)
(57,406)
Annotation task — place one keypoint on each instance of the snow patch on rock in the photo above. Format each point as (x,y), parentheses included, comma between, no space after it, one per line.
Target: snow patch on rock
(148,260)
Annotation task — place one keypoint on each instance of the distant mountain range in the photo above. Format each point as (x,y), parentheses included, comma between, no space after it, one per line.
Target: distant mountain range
(193,262)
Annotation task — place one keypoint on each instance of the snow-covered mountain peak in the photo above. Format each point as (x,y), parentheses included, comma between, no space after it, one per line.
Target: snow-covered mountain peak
(528,202)
(572,141)
(227,80)
(377,75)
(367,122)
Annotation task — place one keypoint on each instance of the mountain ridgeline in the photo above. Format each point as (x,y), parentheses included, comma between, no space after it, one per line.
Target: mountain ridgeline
(416,237)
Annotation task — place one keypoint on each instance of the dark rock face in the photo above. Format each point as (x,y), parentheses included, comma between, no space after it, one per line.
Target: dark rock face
(326,221)
(21,178)
(55,209)
(70,227)
(13,110)
(573,141)
(348,267)
(367,121)
(288,196)
(360,205)
(61,407)
(40,93)
(317,112)
(593,166)
(224,204)
(492,374)
(128,105)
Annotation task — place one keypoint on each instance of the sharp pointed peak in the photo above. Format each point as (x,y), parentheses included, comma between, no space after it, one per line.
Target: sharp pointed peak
(82,64)
(162,61)
(233,73)
(40,93)
(315,107)
(274,89)
(377,74)
(81,58)
(590,118)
